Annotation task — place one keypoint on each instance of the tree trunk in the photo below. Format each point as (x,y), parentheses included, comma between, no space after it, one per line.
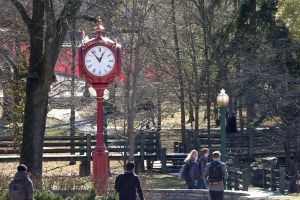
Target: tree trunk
(196,76)
(36,103)
(291,162)
(46,37)
(181,96)
(131,135)
(208,89)
(292,172)
(159,111)
(34,126)
(72,117)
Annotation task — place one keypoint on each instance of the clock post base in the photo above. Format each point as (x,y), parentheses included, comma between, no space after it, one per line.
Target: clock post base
(100,170)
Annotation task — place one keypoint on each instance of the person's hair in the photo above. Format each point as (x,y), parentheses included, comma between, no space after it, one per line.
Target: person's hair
(204,151)
(189,156)
(216,154)
(129,166)
(22,168)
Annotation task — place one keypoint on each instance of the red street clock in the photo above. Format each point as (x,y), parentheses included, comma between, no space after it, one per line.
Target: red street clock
(99,62)
(100,59)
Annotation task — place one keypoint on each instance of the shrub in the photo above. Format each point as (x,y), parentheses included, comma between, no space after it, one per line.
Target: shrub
(91,196)
(4,195)
(47,195)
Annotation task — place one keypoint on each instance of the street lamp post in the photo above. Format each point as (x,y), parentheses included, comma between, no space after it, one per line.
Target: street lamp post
(223,101)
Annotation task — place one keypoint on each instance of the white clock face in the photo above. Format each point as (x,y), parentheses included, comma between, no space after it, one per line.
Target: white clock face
(99,60)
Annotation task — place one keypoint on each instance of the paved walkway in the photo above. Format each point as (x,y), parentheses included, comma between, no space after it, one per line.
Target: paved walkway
(254,191)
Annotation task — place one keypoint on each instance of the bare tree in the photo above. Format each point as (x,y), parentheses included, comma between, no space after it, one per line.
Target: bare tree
(46,33)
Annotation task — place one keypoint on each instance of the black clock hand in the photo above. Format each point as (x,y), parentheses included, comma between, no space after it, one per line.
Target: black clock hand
(102,56)
(97,57)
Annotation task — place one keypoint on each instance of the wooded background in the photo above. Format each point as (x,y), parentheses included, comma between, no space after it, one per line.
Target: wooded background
(177,55)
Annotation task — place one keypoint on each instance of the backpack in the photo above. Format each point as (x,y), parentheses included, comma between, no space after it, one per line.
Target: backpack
(183,172)
(215,172)
(17,189)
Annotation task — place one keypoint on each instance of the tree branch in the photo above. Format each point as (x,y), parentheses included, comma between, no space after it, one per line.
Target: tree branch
(22,11)
(67,14)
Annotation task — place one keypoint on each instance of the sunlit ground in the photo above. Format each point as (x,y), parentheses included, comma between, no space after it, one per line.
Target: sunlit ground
(62,176)
(290,197)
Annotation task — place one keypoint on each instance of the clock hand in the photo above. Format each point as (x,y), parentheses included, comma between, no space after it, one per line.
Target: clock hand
(97,57)
(102,56)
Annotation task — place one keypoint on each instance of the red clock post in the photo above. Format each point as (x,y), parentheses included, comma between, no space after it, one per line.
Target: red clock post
(100,63)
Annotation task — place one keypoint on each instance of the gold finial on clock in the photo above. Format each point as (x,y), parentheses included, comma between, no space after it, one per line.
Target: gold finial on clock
(99,29)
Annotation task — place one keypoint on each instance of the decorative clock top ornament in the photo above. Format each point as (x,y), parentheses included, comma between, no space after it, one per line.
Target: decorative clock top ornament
(99,58)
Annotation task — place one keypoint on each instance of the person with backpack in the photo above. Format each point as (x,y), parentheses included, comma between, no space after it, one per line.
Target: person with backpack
(202,164)
(214,174)
(190,170)
(21,187)
(128,184)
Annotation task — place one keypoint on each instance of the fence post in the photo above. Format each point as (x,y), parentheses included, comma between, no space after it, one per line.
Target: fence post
(236,183)
(245,177)
(88,147)
(85,166)
(176,147)
(81,135)
(164,159)
(250,135)
(273,177)
(81,152)
(264,176)
(142,152)
(157,144)
(282,180)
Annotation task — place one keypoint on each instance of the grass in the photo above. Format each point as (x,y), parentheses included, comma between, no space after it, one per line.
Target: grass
(61,175)
(290,197)
(162,181)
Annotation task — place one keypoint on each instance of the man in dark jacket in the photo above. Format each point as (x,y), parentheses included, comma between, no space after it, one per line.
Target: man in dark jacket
(128,184)
(215,173)
(21,187)
(202,164)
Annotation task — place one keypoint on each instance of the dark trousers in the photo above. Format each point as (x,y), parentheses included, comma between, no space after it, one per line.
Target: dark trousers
(201,184)
(127,199)
(216,195)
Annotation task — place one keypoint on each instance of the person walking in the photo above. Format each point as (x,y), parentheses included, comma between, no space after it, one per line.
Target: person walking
(214,174)
(190,171)
(21,187)
(202,164)
(128,184)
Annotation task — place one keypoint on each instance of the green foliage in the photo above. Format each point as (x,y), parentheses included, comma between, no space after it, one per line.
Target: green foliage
(91,196)
(47,195)
(4,195)
(17,91)
(289,12)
